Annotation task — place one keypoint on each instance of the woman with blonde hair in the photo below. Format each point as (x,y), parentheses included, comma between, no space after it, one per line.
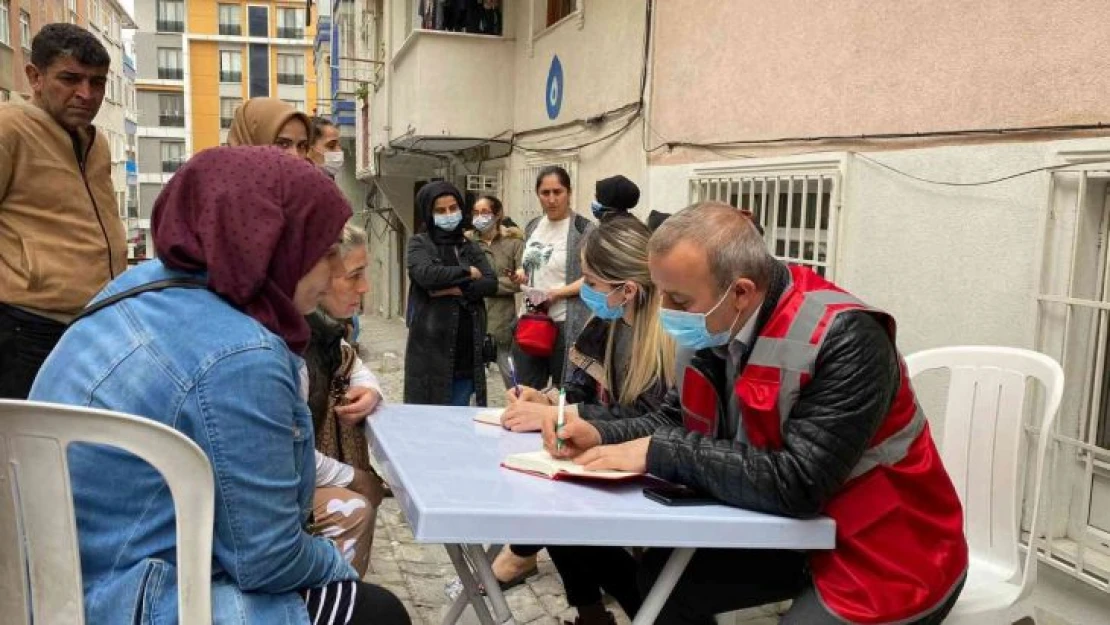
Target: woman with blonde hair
(269,121)
(604,381)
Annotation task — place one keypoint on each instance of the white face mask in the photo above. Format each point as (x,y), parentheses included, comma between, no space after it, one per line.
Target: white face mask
(333,162)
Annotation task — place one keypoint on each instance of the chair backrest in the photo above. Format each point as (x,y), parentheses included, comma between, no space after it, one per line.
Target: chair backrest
(40,567)
(982,443)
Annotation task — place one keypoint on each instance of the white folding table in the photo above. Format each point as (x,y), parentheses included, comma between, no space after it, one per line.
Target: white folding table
(444,469)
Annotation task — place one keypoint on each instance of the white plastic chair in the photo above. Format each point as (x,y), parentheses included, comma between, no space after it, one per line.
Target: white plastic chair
(982,451)
(40,567)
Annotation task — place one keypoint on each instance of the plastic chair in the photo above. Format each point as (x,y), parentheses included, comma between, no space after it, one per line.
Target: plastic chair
(982,451)
(40,567)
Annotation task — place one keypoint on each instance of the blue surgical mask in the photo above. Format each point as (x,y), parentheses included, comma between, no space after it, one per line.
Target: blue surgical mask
(449,221)
(597,209)
(689,329)
(598,303)
(483,222)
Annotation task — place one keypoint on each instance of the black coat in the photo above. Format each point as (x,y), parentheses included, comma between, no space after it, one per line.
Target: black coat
(855,378)
(434,321)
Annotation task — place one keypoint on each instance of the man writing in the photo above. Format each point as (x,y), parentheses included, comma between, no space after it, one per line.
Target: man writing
(61,239)
(792,400)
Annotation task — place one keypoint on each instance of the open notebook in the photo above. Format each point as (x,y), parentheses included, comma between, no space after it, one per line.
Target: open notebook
(542,464)
(490,417)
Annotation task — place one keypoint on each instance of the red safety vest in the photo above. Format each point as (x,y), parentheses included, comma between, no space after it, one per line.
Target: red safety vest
(899,525)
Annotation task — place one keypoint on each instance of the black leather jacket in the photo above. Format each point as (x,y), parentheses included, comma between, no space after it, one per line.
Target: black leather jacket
(856,376)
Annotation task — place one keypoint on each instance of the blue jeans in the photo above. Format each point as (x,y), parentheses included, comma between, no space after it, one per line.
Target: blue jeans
(461,391)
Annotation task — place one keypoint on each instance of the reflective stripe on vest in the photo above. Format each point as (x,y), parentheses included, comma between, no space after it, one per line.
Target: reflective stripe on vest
(796,355)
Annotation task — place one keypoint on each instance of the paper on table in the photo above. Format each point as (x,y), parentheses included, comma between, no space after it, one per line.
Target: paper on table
(490,417)
(542,464)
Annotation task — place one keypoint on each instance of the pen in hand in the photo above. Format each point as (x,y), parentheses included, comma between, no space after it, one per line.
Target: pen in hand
(512,372)
(560,420)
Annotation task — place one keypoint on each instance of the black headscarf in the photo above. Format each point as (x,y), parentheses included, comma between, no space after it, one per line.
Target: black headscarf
(426,201)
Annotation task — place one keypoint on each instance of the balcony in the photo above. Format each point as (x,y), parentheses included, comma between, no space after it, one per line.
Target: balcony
(290,32)
(172,165)
(235,77)
(225,122)
(291,79)
(171,120)
(428,76)
(231,29)
(170,26)
(171,73)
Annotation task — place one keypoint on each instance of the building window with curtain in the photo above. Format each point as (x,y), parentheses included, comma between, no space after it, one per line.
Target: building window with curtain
(227,110)
(173,156)
(5,21)
(290,69)
(171,110)
(290,23)
(231,66)
(169,64)
(231,19)
(25,30)
(171,16)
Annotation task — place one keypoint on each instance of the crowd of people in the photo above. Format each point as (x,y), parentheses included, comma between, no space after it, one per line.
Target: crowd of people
(682,347)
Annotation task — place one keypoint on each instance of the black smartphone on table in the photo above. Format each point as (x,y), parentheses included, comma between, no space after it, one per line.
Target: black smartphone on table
(677,495)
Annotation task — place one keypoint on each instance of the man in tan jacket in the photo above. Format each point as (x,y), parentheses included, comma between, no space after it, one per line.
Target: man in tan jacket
(61,239)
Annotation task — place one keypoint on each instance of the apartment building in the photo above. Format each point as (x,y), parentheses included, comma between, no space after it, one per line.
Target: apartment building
(198,61)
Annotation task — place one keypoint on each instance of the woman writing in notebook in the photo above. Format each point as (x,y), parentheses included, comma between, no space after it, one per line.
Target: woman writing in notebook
(603,381)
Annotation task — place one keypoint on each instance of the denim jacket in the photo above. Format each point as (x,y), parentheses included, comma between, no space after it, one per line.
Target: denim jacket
(188,359)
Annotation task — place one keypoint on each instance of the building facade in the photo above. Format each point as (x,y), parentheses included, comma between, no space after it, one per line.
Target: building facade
(198,61)
(19,21)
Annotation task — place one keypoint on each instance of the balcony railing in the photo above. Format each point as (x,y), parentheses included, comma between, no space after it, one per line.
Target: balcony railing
(231,29)
(171,26)
(171,166)
(231,76)
(171,73)
(290,32)
(173,120)
(225,122)
(290,79)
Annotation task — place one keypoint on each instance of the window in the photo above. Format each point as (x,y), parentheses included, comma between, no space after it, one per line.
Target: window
(25,29)
(173,156)
(169,64)
(231,19)
(290,69)
(231,66)
(297,104)
(796,211)
(171,110)
(480,20)
(547,13)
(258,21)
(5,23)
(227,110)
(115,27)
(94,13)
(171,16)
(5,95)
(71,15)
(290,23)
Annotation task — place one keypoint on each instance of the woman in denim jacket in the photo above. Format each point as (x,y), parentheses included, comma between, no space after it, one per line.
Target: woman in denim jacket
(220,365)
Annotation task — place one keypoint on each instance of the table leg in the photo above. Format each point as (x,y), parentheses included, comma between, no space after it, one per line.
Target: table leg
(493,589)
(470,592)
(663,586)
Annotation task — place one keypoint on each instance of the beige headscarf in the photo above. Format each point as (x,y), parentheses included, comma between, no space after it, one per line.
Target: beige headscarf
(258,121)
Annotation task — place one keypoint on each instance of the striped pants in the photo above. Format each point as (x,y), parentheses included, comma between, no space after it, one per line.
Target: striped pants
(353,603)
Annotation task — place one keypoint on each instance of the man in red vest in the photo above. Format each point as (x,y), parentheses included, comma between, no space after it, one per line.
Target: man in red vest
(791,399)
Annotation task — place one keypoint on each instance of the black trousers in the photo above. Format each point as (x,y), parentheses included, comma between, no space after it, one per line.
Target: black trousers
(354,603)
(25,342)
(723,580)
(587,571)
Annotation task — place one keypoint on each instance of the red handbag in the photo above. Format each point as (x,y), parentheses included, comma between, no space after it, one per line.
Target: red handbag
(536,334)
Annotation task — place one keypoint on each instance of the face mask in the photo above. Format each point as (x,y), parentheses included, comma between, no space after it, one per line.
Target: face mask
(689,329)
(483,222)
(448,222)
(598,303)
(333,162)
(597,209)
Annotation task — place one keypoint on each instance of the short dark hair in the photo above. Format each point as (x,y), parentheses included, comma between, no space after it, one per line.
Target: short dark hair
(58,40)
(494,203)
(558,172)
(318,126)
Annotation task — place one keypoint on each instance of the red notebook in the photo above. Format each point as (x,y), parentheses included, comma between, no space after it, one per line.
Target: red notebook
(540,463)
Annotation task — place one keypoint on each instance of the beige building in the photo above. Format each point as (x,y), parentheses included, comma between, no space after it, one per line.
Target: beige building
(946,161)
